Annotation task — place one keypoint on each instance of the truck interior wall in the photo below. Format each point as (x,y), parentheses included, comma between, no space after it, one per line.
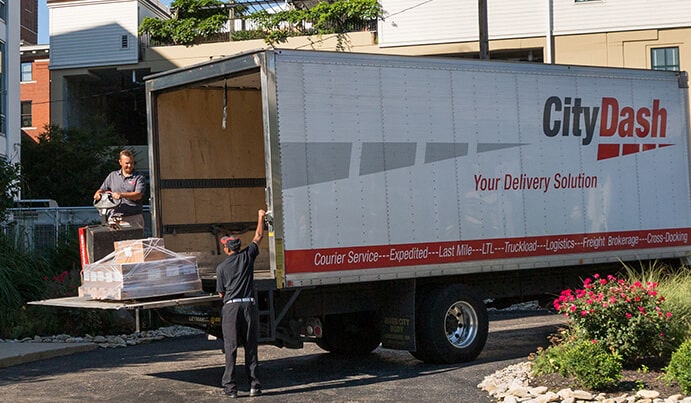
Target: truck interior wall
(211,178)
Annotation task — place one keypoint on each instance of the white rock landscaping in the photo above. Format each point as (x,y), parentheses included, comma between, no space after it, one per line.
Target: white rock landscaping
(512,385)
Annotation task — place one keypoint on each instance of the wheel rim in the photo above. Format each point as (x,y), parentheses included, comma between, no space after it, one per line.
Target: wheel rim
(461,324)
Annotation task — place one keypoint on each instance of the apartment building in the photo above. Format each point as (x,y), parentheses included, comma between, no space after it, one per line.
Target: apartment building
(10,144)
(34,88)
(29,22)
(95,63)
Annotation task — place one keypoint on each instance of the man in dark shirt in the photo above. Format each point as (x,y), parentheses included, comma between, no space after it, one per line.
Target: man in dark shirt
(240,316)
(128,187)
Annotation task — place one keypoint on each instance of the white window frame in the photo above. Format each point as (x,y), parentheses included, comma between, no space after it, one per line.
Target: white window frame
(30,72)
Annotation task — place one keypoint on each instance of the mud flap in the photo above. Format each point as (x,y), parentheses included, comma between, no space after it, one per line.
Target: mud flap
(398,316)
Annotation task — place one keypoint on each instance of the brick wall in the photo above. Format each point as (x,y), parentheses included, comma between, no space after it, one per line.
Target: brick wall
(38,92)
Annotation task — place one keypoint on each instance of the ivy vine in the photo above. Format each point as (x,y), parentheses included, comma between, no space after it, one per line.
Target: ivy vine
(196,19)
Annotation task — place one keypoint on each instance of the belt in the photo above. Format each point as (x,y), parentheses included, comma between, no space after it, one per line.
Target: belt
(238,300)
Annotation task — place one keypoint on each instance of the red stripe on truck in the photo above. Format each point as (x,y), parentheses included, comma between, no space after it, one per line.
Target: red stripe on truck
(413,254)
(605,151)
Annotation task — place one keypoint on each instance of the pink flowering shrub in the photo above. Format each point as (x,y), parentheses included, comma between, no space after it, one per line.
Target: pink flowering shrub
(65,284)
(627,318)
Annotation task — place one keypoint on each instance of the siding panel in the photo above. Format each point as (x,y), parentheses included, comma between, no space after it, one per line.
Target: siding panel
(619,15)
(416,22)
(95,37)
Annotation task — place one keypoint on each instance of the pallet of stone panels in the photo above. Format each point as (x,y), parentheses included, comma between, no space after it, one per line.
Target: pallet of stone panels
(140,269)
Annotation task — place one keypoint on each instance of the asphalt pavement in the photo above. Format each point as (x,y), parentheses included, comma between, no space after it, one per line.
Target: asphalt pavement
(190,368)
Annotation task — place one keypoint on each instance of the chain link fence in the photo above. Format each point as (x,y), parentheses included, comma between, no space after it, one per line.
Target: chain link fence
(42,228)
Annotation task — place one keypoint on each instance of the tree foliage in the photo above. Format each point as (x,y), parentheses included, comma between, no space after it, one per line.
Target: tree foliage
(9,184)
(202,18)
(192,19)
(337,17)
(68,165)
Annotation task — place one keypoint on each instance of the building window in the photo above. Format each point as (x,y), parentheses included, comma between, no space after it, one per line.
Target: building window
(27,71)
(2,10)
(26,114)
(124,42)
(664,58)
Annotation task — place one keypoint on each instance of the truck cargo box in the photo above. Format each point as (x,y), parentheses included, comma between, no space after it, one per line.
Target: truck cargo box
(384,167)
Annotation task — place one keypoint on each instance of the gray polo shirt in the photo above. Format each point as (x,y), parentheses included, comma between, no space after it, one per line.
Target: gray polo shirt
(117,182)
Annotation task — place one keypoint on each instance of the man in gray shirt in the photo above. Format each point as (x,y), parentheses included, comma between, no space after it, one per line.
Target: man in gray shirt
(128,187)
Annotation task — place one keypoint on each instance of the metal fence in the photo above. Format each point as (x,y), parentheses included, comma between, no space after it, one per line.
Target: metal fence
(42,228)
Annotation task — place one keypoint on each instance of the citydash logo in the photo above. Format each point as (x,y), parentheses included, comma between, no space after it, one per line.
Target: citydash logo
(622,129)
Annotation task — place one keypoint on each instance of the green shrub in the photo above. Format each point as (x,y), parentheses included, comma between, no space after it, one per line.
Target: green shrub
(679,367)
(551,360)
(593,365)
(21,276)
(247,35)
(589,362)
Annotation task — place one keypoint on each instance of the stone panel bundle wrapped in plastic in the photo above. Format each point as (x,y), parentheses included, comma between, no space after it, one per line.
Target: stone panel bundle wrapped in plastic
(140,268)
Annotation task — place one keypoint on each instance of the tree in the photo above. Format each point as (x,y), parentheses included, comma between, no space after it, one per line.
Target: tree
(68,165)
(9,184)
(192,19)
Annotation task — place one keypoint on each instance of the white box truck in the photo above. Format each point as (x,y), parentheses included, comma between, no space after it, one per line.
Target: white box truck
(404,191)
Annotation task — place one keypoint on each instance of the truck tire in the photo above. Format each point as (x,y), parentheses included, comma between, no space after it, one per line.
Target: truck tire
(451,325)
(350,333)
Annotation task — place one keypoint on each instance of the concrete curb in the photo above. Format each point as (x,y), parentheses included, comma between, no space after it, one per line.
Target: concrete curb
(22,353)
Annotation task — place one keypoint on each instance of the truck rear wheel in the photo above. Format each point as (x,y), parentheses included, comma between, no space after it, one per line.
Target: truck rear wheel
(350,333)
(451,325)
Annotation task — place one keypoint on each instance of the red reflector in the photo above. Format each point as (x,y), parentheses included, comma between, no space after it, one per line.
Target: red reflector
(605,151)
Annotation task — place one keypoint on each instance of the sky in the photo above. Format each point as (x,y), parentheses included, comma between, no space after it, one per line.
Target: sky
(43,26)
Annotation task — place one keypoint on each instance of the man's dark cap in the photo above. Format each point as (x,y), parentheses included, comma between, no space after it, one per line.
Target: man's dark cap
(231,242)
